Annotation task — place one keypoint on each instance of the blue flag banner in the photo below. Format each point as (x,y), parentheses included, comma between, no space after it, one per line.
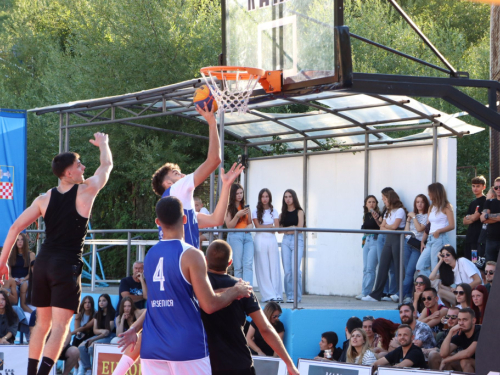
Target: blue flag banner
(13,158)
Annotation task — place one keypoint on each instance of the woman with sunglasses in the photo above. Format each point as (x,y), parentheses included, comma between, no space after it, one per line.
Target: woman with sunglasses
(421,283)
(359,351)
(463,293)
(441,220)
(255,341)
(479,301)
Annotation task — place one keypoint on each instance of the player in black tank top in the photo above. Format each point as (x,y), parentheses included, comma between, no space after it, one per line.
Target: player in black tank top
(56,275)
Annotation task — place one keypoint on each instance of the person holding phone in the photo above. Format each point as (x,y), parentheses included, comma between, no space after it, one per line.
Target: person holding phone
(238,217)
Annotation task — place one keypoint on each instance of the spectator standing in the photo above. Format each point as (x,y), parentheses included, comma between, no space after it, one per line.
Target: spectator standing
(370,254)
(491,216)
(228,348)
(256,341)
(386,329)
(267,258)
(407,354)
(134,286)
(372,337)
(104,331)
(394,219)
(415,222)
(8,320)
(352,323)
(463,294)
(463,337)
(359,351)
(292,216)
(200,208)
(489,273)
(441,220)
(479,301)
(84,322)
(433,312)
(424,337)
(238,217)
(329,341)
(20,259)
(472,219)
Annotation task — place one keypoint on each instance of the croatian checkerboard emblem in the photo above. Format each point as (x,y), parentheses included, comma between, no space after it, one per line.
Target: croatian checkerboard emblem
(6,182)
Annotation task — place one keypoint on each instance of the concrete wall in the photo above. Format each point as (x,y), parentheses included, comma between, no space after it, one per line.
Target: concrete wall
(335,200)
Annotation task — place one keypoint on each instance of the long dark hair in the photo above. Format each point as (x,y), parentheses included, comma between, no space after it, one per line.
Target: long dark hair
(260,206)
(468,293)
(25,251)
(284,206)
(9,311)
(365,210)
(480,311)
(427,283)
(386,329)
(121,309)
(232,209)
(445,271)
(393,203)
(81,310)
(426,204)
(110,313)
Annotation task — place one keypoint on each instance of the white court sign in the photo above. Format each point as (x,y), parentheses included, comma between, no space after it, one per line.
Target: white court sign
(408,370)
(312,367)
(14,360)
(106,357)
(269,366)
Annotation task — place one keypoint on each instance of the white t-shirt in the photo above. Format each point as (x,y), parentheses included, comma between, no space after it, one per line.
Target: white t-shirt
(396,214)
(464,270)
(203,210)
(183,190)
(268,216)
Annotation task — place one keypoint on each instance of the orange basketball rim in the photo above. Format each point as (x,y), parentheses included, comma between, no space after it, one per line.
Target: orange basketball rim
(270,80)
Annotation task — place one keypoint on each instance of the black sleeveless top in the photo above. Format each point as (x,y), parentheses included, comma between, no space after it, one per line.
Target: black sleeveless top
(291,218)
(18,270)
(65,228)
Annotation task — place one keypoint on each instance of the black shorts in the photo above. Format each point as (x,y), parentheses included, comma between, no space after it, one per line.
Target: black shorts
(57,283)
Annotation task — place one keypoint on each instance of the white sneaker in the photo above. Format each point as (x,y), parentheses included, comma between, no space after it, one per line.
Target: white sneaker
(395,298)
(386,298)
(360,296)
(368,299)
(407,300)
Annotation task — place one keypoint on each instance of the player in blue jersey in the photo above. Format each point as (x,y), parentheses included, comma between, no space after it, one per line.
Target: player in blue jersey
(169,181)
(174,340)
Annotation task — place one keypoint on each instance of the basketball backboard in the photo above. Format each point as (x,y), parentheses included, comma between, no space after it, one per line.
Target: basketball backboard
(295,36)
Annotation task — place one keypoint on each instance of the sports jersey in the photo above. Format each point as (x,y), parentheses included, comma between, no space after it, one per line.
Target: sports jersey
(173,329)
(183,190)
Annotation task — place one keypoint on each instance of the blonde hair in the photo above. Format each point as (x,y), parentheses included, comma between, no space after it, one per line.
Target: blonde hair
(352,353)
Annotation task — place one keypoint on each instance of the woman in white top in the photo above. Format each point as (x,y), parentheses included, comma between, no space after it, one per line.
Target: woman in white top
(267,258)
(394,219)
(441,221)
(359,351)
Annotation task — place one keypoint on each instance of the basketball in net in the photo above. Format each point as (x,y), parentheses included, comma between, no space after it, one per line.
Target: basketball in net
(203,95)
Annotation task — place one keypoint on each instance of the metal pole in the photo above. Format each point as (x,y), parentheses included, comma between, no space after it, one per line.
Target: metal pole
(434,153)
(129,245)
(295,268)
(245,181)
(212,205)
(221,140)
(305,201)
(367,162)
(94,265)
(141,252)
(60,132)
(66,147)
(401,266)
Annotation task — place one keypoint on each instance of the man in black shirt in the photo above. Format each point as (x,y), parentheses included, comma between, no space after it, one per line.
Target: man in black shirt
(227,345)
(463,337)
(491,216)
(473,216)
(407,355)
(134,287)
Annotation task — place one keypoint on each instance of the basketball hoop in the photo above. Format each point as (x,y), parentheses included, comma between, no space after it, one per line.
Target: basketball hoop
(231,86)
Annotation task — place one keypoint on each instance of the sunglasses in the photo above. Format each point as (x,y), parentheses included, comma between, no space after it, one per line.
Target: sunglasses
(368,317)
(451,317)
(428,298)
(496,187)
(489,272)
(456,292)
(419,283)
(275,316)
(446,255)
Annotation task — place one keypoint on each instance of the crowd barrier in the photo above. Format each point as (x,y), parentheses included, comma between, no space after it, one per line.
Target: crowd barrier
(312,367)
(14,360)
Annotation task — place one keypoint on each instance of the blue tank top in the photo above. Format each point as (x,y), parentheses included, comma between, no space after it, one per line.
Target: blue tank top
(173,329)
(183,190)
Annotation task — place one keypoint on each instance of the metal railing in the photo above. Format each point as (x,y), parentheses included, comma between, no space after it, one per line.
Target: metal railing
(129,242)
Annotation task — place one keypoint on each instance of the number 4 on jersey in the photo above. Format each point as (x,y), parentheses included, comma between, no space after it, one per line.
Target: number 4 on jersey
(158,275)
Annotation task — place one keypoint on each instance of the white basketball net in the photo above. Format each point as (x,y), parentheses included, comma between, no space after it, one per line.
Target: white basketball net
(231,95)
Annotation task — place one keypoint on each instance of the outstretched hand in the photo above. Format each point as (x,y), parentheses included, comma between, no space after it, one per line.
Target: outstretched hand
(100,138)
(232,174)
(127,338)
(208,115)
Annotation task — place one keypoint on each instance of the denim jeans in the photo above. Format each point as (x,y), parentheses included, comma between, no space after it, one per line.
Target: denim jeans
(410,260)
(492,249)
(86,354)
(287,254)
(370,261)
(429,257)
(242,245)
(390,286)
(390,254)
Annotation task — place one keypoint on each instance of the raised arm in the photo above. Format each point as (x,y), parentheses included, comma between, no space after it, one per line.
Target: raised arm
(213,157)
(217,217)
(194,269)
(101,175)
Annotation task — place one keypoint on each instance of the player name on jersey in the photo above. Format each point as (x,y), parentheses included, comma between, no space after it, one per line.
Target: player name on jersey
(162,303)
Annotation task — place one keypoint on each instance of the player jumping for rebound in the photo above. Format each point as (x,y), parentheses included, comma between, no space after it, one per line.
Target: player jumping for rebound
(57,277)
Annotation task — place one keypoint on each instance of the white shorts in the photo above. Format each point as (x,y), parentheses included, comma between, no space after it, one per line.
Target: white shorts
(159,367)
